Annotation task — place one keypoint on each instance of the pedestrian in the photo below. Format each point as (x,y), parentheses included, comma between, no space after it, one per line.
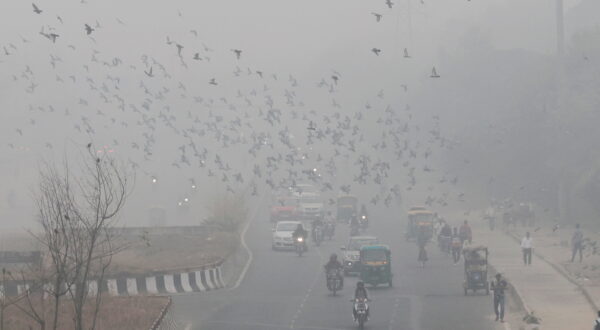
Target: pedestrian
(527,247)
(577,243)
(498,287)
(465,233)
(456,246)
(597,322)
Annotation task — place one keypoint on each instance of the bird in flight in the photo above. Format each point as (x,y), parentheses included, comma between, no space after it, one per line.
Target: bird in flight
(149,73)
(377,16)
(376,51)
(88,29)
(389,3)
(36,9)
(197,57)
(213,82)
(434,73)
(238,53)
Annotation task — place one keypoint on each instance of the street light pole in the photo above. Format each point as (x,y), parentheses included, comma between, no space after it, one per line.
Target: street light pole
(560,32)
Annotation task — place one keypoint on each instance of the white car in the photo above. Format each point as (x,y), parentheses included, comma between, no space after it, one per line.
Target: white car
(282,235)
(311,208)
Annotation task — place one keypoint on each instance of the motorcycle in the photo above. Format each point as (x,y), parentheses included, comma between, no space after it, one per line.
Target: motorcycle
(364,221)
(300,245)
(361,309)
(318,235)
(334,282)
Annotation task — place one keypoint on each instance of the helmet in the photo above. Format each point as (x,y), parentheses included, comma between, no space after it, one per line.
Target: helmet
(333,257)
(360,284)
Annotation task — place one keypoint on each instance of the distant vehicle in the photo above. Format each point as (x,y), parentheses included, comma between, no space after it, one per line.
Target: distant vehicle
(311,208)
(476,269)
(282,235)
(284,209)
(417,208)
(375,265)
(351,258)
(420,222)
(303,190)
(347,207)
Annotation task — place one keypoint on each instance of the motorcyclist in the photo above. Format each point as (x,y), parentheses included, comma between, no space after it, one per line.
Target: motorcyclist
(299,232)
(329,224)
(360,293)
(316,223)
(363,210)
(335,264)
(465,233)
(445,237)
(446,230)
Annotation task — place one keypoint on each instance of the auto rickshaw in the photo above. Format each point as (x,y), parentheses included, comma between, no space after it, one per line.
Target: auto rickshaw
(375,265)
(476,268)
(347,206)
(420,222)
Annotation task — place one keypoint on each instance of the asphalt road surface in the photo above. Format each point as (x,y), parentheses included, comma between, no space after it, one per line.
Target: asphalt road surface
(284,291)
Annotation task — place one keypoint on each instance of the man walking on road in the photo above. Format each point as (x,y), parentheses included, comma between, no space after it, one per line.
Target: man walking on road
(527,247)
(499,286)
(577,243)
(457,246)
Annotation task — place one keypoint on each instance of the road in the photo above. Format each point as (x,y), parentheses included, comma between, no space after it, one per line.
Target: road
(284,291)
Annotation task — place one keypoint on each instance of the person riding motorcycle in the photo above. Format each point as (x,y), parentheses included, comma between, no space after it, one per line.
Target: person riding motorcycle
(299,232)
(329,229)
(363,210)
(316,223)
(335,264)
(445,237)
(360,293)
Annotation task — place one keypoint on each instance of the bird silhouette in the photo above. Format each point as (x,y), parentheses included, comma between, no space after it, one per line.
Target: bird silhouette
(377,16)
(149,73)
(237,52)
(88,29)
(376,51)
(434,73)
(36,9)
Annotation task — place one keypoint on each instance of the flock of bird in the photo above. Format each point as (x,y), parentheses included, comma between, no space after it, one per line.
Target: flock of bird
(266,134)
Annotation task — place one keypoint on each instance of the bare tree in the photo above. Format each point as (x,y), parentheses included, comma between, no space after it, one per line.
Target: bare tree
(76,213)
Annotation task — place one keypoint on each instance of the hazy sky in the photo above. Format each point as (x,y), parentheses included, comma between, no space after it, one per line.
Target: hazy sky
(307,38)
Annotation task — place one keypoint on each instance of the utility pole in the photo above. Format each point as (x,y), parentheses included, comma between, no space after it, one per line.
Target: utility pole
(560,29)
(564,190)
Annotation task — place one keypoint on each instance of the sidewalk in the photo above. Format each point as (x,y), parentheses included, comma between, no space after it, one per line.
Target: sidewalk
(557,301)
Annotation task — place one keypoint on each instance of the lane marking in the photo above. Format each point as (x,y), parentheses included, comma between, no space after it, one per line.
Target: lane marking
(308,293)
(243,240)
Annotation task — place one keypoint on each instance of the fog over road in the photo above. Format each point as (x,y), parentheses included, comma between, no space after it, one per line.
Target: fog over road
(284,291)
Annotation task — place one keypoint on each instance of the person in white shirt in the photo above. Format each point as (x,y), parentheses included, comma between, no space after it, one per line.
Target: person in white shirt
(527,247)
